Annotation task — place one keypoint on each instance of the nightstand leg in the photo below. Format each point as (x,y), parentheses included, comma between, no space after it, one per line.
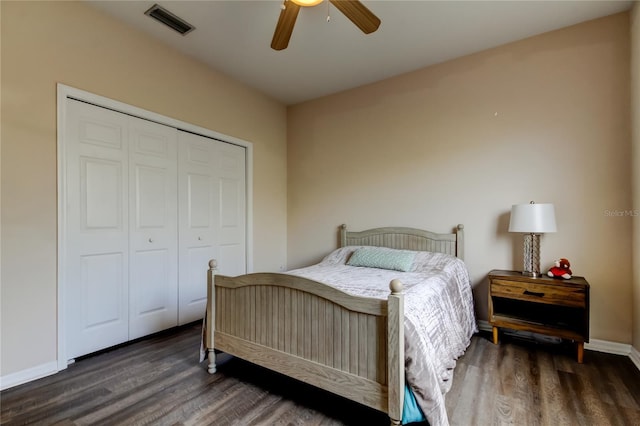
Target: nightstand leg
(580,352)
(495,335)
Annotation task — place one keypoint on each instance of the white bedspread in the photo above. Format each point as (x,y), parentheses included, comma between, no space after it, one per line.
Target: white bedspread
(439,316)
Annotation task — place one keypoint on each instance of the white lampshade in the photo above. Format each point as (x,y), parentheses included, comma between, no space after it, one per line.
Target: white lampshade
(532,218)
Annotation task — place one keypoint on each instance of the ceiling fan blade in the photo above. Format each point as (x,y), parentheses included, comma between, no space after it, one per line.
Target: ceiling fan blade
(284,28)
(358,13)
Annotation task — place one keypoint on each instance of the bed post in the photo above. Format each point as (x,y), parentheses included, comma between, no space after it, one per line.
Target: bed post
(460,241)
(210,316)
(343,235)
(395,351)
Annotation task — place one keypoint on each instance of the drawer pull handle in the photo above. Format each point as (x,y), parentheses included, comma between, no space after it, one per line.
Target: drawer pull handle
(533,293)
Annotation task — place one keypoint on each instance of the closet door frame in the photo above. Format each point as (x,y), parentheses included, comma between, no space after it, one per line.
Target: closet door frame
(65,92)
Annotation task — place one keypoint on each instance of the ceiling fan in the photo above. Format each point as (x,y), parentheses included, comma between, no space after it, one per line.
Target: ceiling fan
(357,13)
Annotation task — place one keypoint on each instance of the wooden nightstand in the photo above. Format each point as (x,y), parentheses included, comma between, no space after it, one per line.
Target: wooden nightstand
(544,305)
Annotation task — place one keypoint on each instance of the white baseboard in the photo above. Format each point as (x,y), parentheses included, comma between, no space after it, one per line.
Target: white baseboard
(635,357)
(608,347)
(484,325)
(594,345)
(24,376)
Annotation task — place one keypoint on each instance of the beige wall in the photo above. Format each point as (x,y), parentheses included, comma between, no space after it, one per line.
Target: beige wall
(44,43)
(544,119)
(635,132)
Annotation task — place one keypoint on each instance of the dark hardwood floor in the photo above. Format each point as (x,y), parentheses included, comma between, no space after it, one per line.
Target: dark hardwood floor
(158,381)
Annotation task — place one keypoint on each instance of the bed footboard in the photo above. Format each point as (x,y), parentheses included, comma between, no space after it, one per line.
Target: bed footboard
(351,346)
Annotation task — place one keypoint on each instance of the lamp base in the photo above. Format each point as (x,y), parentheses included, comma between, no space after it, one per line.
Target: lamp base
(531,255)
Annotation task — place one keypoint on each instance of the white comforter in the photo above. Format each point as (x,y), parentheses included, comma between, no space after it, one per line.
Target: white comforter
(439,316)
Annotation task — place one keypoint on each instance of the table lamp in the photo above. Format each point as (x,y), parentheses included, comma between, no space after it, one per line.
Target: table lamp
(532,219)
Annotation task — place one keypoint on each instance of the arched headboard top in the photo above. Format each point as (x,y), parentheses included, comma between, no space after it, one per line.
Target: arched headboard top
(406,239)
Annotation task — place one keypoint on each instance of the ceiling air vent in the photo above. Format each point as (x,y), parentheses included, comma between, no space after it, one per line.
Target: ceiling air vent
(161,14)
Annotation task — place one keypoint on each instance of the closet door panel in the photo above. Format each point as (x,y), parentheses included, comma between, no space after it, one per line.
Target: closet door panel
(232,205)
(153,277)
(198,212)
(95,222)
(101,194)
(200,204)
(212,215)
(101,298)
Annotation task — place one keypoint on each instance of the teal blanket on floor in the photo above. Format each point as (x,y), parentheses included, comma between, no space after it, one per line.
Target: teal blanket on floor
(411,413)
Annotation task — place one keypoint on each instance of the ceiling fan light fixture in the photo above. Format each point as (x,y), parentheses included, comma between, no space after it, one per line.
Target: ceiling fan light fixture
(354,10)
(307,3)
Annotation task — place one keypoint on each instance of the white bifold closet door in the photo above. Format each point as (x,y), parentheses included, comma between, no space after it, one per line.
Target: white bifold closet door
(153,228)
(145,207)
(96,229)
(122,228)
(212,215)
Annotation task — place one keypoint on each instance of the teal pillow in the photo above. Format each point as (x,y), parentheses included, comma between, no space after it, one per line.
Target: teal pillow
(383,258)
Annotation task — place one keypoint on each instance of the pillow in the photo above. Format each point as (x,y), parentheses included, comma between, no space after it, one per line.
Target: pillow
(383,258)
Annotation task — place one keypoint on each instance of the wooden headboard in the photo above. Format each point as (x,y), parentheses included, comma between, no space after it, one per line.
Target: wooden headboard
(406,239)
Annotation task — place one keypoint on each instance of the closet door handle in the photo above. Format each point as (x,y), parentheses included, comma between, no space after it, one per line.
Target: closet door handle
(150,240)
(199,238)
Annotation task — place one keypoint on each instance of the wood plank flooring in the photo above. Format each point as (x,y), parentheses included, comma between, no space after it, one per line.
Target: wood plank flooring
(158,381)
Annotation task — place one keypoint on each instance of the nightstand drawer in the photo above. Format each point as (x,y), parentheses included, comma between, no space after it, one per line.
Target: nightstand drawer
(555,294)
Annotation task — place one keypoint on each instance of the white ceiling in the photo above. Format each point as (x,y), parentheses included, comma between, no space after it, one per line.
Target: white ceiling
(234,37)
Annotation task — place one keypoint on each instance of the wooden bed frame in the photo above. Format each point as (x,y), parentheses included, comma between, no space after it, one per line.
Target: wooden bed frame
(351,346)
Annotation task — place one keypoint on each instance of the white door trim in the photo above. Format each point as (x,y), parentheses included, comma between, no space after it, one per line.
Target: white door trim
(63,93)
